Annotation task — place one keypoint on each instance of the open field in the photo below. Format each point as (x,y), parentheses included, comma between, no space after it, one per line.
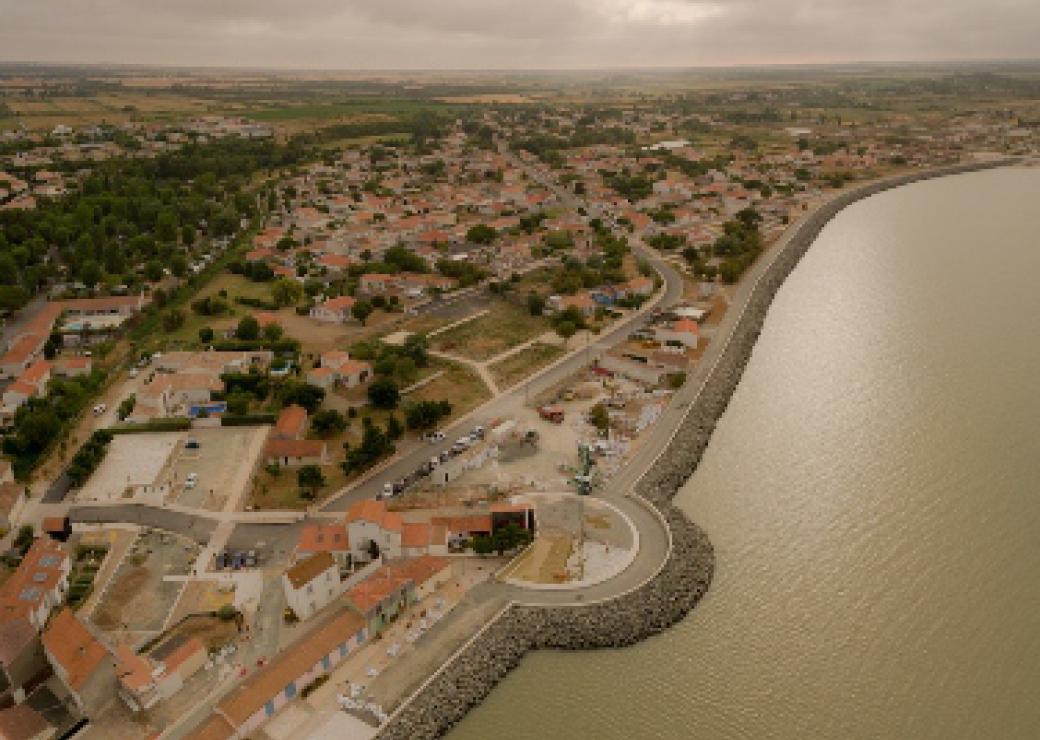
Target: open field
(458,385)
(504,326)
(517,366)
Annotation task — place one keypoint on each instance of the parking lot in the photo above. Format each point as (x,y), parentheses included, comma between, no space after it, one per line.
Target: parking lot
(222,460)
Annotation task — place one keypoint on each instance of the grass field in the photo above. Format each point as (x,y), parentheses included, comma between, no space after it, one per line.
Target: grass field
(511,370)
(236,286)
(503,327)
(458,385)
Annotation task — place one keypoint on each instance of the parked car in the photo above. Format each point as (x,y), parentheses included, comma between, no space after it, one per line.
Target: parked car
(192,444)
(388,490)
(434,437)
(133,372)
(250,560)
(435,461)
(100,409)
(478,432)
(191,481)
(221,561)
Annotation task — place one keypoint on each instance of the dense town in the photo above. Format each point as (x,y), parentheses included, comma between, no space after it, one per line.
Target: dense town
(288,416)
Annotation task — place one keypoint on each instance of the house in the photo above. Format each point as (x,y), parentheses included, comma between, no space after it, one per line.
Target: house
(57,527)
(334,310)
(30,383)
(37,585)
(330,538)
(684,333)
(311,584)
(335,262)
(22,352)
(75,366)
(291,423)
(378,283)
(22,722)
(583,302)
(294,453)
(262,694)
(338,369)
(373,531)
(145,680)
(22,659)
(426,572)
(637,286)
(174,395)
(381,598)
(81,662)
(423,538)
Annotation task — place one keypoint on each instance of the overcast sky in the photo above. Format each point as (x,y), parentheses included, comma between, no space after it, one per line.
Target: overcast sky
(514,34)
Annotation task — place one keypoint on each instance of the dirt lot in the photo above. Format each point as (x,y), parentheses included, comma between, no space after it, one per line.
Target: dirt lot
(503,327)
(138,599)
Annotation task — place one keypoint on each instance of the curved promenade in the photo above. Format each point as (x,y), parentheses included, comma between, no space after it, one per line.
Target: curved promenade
(673,588)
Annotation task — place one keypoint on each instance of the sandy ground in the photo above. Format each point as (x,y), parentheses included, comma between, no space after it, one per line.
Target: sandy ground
(223,462)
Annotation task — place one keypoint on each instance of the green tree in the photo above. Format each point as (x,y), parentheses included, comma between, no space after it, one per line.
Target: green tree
(273,332)
(394,430)
(90,273)
(383,393)
(361,310)
(205,335)
(173,320)
(310,479)
(535,304)
(248,328)
(566,329)
(328,423)
(153,270)
(285,292)
(306,395)
(599,417)
(179,265)
(481,234)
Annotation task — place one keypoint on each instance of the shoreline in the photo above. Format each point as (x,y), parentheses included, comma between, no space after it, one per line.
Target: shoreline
(685,575)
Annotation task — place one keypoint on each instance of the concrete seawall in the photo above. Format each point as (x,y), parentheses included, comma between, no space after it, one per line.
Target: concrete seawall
(685,575)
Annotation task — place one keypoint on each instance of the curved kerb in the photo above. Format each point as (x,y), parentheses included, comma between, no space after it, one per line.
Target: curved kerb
(683,577)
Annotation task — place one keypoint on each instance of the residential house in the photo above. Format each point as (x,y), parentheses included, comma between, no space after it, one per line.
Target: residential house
(330,538)
(81,662)
(337,369)
(583,302)
(381,598)
(291,423)
(368,522)
(21,354)
(37,585)
(426,572)
(681,333)
(423,538)
(30,383)
(22,660)
(295,453)
(22,722)
(334,310)
(311,584)
(145,680)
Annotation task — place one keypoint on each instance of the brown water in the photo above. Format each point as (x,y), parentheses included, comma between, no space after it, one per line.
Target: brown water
(873,494)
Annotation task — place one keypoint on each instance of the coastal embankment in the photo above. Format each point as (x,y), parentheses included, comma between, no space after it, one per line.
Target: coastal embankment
(686,572)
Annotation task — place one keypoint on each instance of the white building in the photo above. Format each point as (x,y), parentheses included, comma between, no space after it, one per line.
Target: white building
(312,584)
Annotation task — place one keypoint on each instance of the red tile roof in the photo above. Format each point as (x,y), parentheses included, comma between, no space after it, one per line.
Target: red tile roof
(73,647)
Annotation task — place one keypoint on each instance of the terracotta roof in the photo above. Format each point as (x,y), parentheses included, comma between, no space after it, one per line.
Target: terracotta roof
(370,510)
(26,346)
(323,538)
(422,534)
(294,448)
(419,570)
(686,326)
(339,303)
(292,421)
(35,372)
(133,671)
(374,590)
(334,358)
(310,568)
(73,647)
(22,721)
(289,665)
(465,524)
(39,572)
(15,634)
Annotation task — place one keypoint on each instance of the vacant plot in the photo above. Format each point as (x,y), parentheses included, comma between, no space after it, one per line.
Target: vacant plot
(213,632)
(138,599)
(458,385)
(504,326)
(519,365)
(132,459)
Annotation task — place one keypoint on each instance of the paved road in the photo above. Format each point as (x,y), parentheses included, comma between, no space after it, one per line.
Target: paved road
(197,528)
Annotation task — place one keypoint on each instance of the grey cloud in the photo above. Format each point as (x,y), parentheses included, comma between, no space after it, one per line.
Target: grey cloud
(380,34)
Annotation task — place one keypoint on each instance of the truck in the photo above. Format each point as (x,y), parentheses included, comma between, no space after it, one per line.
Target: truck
(552,414)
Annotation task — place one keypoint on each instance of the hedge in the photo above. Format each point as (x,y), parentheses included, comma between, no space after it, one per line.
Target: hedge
(176,424)
(245,420)
(244,345)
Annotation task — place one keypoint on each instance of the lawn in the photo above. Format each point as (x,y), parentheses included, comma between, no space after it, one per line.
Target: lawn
(504,326)
(514,368)
(235,285)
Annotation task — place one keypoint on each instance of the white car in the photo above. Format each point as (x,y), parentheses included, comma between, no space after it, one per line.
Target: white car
(434,437)
(99,409)
(191,481)
(133,372)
